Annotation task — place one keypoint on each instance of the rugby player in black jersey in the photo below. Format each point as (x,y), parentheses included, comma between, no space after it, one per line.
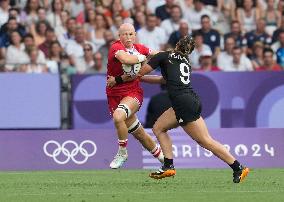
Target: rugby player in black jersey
(185,110)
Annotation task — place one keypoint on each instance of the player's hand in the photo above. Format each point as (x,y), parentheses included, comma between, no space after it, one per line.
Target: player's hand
(111,81)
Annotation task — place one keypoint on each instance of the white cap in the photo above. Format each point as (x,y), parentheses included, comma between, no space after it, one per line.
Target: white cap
(206,52)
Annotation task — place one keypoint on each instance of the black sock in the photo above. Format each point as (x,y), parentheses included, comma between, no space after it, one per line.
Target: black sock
(168,162)
(236,166)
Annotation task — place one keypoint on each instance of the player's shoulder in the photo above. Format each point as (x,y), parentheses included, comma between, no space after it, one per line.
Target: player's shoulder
(117,45)
(162,54)
(139,45)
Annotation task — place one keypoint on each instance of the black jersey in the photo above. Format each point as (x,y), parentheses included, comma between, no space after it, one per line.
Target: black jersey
(175,69)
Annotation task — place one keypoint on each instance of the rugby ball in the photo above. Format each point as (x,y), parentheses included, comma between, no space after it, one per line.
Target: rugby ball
(131,70)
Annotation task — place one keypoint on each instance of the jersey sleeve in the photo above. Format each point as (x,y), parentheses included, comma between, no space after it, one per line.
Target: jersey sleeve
(144,50)
(156,60)
(114,49)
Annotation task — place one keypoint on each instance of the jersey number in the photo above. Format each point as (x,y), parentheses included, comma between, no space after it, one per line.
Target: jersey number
(184,70)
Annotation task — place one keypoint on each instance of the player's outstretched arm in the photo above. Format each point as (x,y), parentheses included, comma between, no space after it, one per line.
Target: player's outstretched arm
(126,58)
(145,69)
(153,79)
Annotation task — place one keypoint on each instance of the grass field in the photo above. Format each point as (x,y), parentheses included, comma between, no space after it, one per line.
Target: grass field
(210,185)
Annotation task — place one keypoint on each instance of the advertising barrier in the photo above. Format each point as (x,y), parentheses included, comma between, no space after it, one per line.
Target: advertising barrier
(95,149)
(229,99)
(29,101)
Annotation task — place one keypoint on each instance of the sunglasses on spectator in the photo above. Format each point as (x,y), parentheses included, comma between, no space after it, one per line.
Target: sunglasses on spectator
(87,49)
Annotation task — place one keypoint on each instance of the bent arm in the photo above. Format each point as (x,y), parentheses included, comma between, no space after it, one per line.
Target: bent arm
(145,69)
(126,58)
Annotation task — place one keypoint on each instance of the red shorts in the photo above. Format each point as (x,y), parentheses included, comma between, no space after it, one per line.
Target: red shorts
(113,101)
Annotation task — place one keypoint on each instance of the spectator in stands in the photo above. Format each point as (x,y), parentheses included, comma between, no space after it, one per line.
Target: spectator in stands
(211,36)
(206,62)
(117,21)
(199,47)
(248,16)
(225,12)
(177,35)
(54,16)
(236,33)
(12,25)
(151,35)
(164,12)
(226,56)
(30,42)
(69,34)
(77,6)
(172,24)
(139,20)
(116,9)
(257,55)
(4,11)
(154,4)
(38,31)
(109,39)
(33,66)
(278,48)
(193,15)
(98,67)
(96,34)
(60,30)
(272,17)
(139,6)
(74,48)
(90,19)
(85,62)
(54,58)
(15,55)
(257,35)
(41,13)
(83,15)
(49,37)
(277,31)
(269,63)
(279,43)
(15,13)
(280,6)
(239,62)
(158,104)
(29,14)
(102,7)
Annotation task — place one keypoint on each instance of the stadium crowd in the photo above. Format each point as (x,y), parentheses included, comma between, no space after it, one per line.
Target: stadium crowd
(73,36)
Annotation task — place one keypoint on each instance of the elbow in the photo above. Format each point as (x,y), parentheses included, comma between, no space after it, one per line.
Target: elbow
(162,81)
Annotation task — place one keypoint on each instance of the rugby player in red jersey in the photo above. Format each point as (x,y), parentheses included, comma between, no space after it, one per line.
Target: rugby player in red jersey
(125,95)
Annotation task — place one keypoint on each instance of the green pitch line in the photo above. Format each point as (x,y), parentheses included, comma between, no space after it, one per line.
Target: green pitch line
(208,185)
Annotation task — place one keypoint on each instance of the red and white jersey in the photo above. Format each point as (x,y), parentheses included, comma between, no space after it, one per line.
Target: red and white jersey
(114,67)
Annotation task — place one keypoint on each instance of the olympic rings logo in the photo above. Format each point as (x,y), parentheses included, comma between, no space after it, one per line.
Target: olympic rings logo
(70,155)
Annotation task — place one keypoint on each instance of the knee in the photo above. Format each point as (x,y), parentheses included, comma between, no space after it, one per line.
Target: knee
(157,130)
(118,117)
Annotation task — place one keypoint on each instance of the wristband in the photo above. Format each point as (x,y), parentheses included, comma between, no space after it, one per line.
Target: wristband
(118,79)
(141,58)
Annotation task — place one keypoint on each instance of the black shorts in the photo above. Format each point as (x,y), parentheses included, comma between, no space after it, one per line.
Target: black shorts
(187,107)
